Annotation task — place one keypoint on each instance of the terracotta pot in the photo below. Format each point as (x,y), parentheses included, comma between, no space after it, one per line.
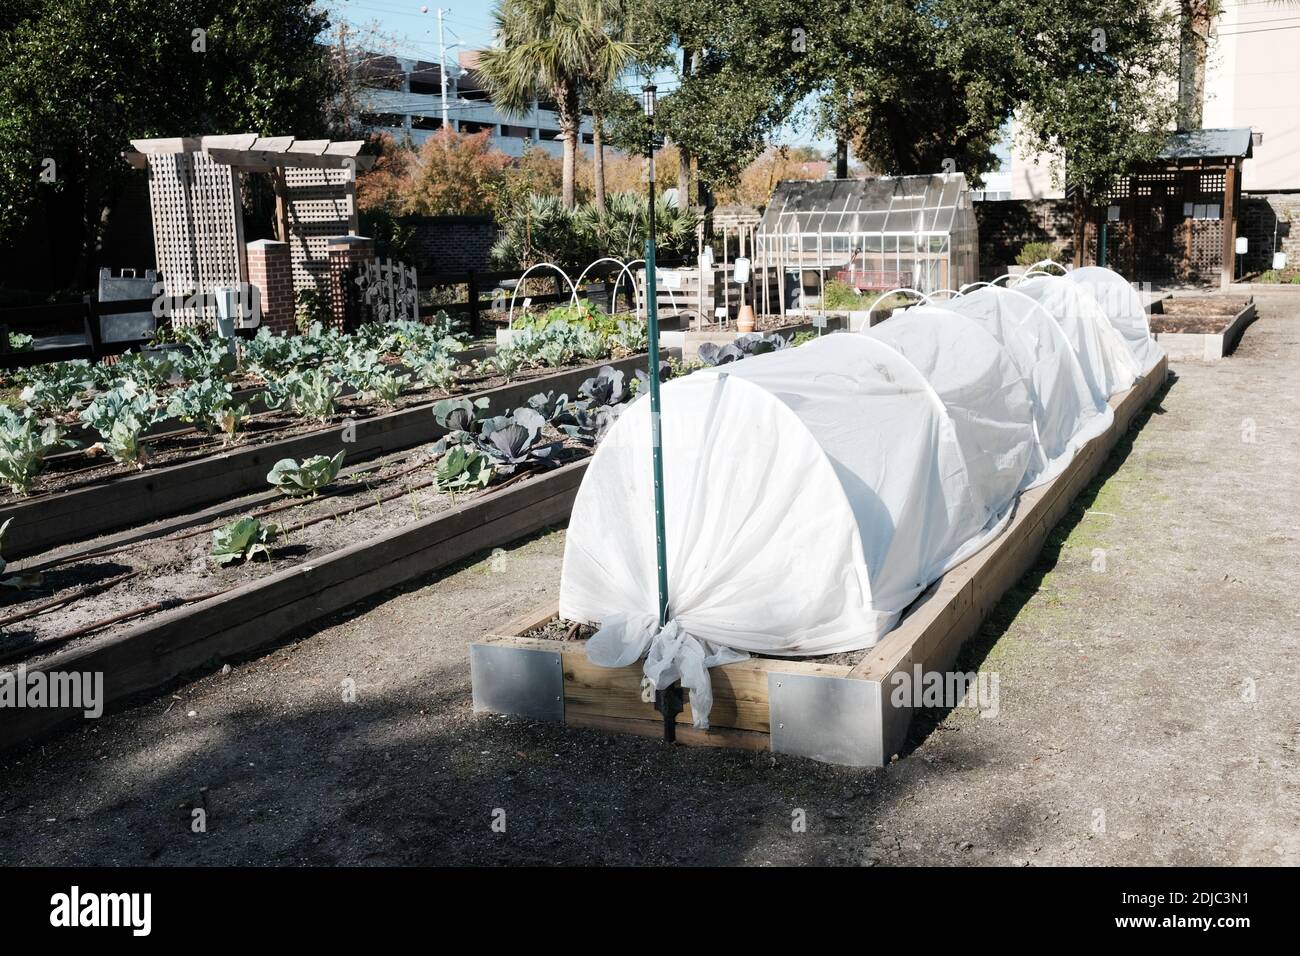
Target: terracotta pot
(745,319)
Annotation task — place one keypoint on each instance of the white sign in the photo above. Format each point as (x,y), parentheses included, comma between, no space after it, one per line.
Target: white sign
(1243,245)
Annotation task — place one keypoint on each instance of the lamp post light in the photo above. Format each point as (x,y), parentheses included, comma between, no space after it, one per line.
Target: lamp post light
(668,700)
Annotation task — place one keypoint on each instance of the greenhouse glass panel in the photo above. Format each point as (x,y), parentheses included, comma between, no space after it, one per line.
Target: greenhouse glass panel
(890,230)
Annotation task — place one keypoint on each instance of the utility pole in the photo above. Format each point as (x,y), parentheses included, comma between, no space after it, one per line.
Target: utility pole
(442,68)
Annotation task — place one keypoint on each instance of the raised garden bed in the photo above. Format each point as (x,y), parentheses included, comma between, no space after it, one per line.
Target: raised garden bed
(123,498)
(257,607)
(690,340)
(838,711)
(1202,328)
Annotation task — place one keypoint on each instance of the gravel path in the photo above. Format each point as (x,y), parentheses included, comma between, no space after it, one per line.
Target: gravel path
(1147,710)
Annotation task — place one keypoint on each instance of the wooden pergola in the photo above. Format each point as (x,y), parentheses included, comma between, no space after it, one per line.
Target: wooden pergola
(195,186)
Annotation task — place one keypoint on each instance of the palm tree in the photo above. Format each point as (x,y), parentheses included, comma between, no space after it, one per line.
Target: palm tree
(543,47)
(609,52)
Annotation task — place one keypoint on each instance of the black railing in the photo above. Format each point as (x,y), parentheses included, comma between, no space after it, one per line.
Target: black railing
(71,318)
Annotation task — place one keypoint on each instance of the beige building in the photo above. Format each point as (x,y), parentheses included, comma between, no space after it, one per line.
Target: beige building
(1252,80)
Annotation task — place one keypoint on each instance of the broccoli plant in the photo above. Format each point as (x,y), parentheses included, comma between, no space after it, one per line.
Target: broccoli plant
(207,360)
(24,443)
(507,361)
(150,371)
(209,406)
(315,393)
(120,417)
(305,479)
(591,345)
(360,370)
(388,386)
(242,540)
(434,368)
(463,468)
(629,337)
(52,388)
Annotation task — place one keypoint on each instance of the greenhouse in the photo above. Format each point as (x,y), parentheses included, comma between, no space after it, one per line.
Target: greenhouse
(879,460)
(892,232)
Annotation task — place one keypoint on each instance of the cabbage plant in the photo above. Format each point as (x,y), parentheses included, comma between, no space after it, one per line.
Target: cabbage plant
(305,479)
(463,468)
(242,540)
(514,440)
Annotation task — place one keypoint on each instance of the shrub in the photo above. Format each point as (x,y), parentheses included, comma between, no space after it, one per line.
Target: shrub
(1032,252)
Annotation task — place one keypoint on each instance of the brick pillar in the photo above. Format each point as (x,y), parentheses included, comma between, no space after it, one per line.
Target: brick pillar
(270,269)
(344,253)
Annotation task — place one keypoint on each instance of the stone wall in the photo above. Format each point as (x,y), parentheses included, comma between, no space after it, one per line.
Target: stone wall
(1006,225)
(1261,214)
(451,243)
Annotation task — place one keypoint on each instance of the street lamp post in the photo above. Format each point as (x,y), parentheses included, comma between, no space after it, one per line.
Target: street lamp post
(668,700)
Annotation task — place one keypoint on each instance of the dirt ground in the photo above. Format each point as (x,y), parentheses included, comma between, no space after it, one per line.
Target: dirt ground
(1147,712)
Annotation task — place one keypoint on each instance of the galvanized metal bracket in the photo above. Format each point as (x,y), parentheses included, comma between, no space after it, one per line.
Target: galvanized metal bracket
(832,719)
(524,682)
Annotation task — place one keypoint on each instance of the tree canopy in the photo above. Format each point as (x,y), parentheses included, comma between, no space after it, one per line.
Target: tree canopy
(80,78)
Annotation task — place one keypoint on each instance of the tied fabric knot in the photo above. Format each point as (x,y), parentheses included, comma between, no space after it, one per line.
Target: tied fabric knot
(671,654)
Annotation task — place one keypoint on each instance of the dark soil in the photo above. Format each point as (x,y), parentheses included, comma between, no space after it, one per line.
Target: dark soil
(1201,305)
(563,630)
(176,565)
(1196,324)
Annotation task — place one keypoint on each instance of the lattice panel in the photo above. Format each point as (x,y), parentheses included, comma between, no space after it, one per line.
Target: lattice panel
(173,238)
(321,205)
(198,226)
(1206,253)
(1213,183)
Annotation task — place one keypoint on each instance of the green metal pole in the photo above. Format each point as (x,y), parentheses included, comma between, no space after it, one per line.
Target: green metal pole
(668,700)
(652,334)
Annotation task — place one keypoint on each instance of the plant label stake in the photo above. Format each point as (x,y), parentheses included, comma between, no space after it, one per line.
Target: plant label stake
(668,700)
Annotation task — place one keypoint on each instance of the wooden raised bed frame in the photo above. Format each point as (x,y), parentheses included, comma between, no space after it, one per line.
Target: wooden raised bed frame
(835,713)
(48,521)
(152,654)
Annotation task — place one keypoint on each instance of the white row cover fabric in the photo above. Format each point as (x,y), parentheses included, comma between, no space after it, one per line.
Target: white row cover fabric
(1107,363)
(811,494)
(1122,305)
(1066,414)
